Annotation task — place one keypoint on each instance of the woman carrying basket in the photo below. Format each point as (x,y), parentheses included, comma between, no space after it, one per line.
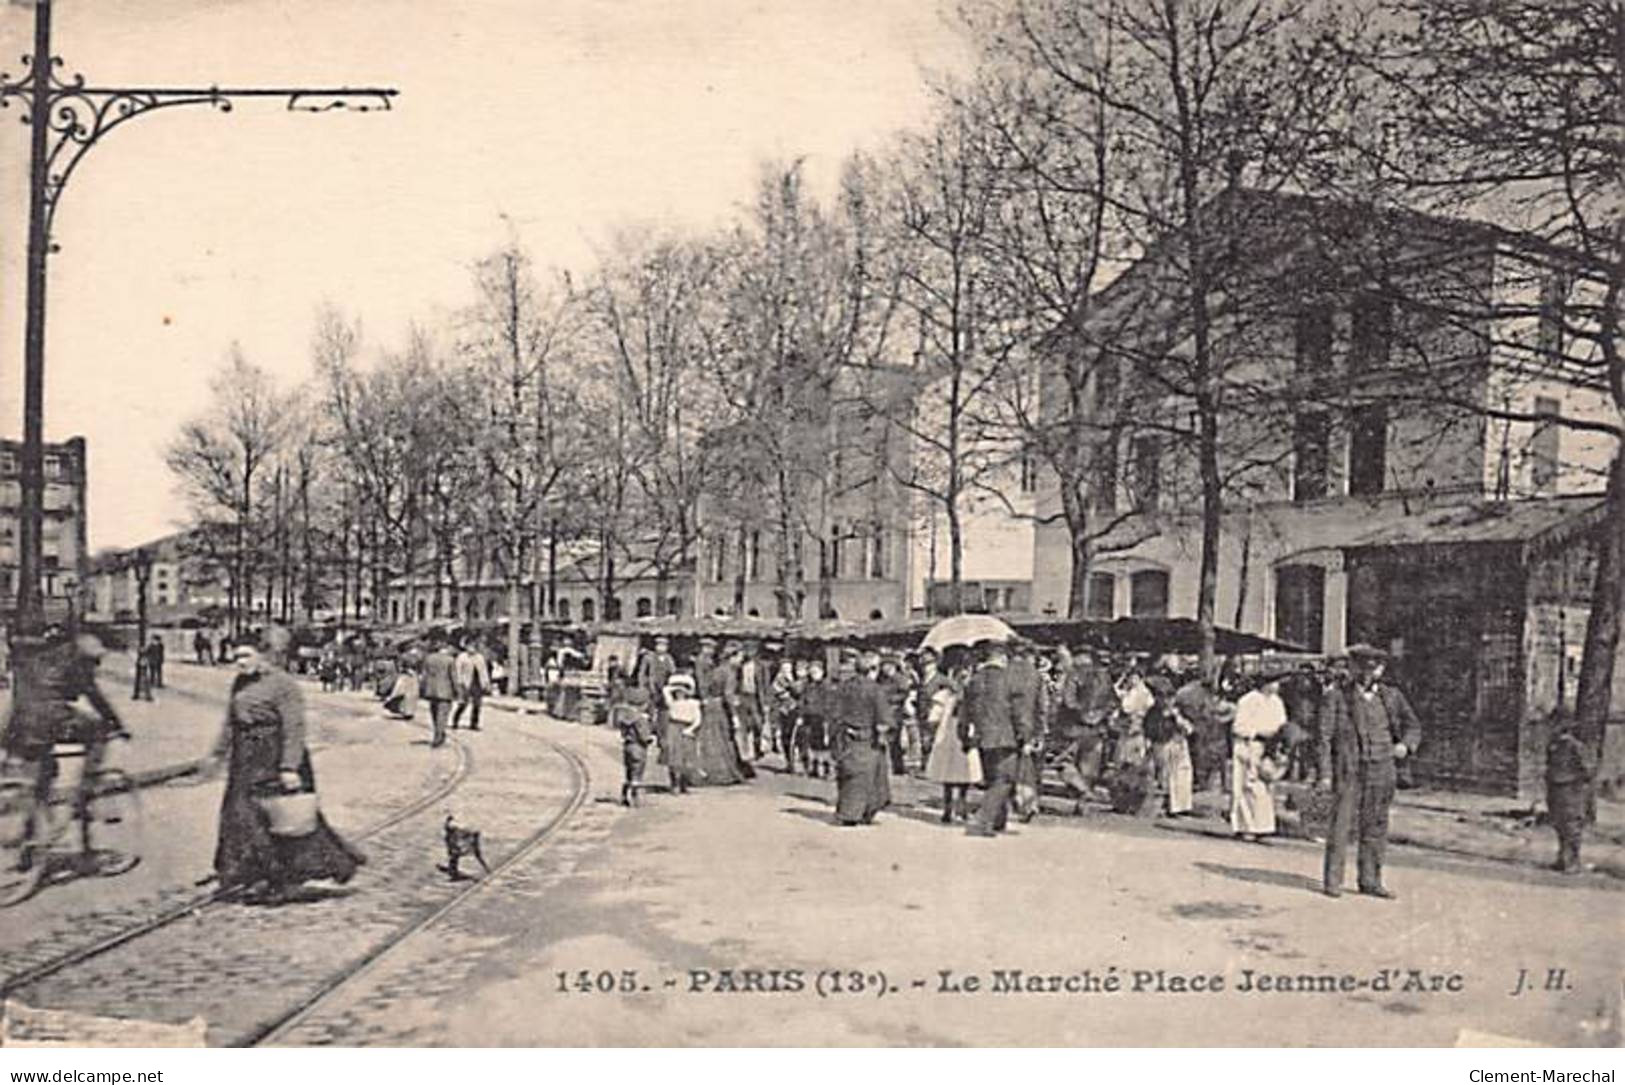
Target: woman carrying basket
(272,838)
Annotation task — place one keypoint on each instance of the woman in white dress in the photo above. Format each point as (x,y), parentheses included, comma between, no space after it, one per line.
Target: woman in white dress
(950,764)
(1259,716)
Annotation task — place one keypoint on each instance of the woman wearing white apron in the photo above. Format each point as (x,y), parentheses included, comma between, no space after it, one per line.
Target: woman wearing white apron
(1259,715)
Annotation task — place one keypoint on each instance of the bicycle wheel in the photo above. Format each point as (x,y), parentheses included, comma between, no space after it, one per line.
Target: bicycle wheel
(21,865)
(115,823)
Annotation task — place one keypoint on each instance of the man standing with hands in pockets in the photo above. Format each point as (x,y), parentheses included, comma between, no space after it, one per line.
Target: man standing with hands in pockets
(1366,728)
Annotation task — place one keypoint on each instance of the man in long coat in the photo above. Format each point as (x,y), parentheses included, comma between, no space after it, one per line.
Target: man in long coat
(991,722)
(439,686)
(860,723)
(1366,727)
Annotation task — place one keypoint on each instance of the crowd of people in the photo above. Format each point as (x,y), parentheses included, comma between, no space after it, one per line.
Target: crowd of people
(1143,734)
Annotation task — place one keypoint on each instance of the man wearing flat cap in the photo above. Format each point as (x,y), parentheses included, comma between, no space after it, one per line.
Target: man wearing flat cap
(991,722)
(1366,728)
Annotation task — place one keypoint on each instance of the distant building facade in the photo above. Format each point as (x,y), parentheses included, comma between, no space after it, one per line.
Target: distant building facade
(64,556)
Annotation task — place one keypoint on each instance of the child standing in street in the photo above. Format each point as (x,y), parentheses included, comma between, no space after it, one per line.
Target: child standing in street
(1570,767)
(637,732)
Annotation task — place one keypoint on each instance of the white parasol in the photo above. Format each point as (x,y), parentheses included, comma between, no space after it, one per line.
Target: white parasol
(965,630)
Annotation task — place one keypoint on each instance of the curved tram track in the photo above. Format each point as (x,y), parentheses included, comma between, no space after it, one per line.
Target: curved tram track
(261,971)
(274,1031)
(163,918)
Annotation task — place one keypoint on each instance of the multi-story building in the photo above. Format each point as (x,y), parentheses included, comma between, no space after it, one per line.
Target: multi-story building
(1395,434)
(63,551)
(176,586)
(848,516)
(997,545)
(638,590)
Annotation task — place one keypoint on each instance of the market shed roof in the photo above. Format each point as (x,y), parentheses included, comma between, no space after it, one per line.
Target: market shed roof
(1533,524)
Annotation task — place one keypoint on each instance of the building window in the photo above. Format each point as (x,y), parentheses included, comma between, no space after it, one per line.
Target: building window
(1147,467)
(1313,340)
(589,609)
(1554,301)
(1105,476)
(1029,473)
(1148,594)
(8,463)
(1106,382)
(674,605)
(1311,454)
(490,609)
(753,556)
(645,606)
(1544,445)
(561,609)
(718,554)
(612,609)
(1368,450)
(53,467)
(1373,333)
(395,611)
(835,547)
(1101,600)
(877,553)
(1300,605)
(423,610)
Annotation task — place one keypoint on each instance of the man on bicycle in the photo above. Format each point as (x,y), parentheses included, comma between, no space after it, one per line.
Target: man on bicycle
(59,671)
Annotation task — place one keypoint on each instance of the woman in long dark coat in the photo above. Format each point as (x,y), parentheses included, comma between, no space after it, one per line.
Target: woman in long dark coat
(859,720)
(716,757)
(264,751)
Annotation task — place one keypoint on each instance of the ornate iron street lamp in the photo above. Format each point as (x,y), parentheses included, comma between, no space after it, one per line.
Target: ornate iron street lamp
(66,117)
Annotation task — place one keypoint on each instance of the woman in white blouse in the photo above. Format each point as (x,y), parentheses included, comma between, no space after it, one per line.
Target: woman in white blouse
(1259,715)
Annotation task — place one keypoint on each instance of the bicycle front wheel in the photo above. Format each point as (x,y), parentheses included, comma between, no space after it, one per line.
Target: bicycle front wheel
(115,823)
(22,860)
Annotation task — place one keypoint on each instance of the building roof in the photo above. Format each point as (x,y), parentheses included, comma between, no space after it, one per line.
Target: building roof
(1533,524)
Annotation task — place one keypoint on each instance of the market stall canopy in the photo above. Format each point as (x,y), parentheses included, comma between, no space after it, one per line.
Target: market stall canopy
(720,628)
(1147,635)
(965,630)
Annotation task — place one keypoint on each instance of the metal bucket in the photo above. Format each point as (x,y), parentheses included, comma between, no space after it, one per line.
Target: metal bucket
(290,815)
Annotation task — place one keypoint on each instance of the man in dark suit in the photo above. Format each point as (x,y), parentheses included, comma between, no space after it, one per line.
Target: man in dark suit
(439,685)
(1366,727)
(990,722)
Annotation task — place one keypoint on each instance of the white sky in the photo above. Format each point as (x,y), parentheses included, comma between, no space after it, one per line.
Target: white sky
(187,229)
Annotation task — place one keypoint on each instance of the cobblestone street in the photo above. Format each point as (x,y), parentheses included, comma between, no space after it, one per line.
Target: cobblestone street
(241,968)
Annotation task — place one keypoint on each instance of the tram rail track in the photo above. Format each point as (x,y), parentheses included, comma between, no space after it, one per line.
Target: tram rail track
(281,1027)
(33,974)
(315,988)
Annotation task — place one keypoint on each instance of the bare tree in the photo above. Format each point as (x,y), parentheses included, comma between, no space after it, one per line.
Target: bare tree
(219,458)
(806,303)
(512,406)
(653,299)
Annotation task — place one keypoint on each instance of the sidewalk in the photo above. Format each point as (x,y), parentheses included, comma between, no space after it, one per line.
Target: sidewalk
(1483,826)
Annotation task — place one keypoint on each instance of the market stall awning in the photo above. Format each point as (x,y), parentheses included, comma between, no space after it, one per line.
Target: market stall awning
(1146,635)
